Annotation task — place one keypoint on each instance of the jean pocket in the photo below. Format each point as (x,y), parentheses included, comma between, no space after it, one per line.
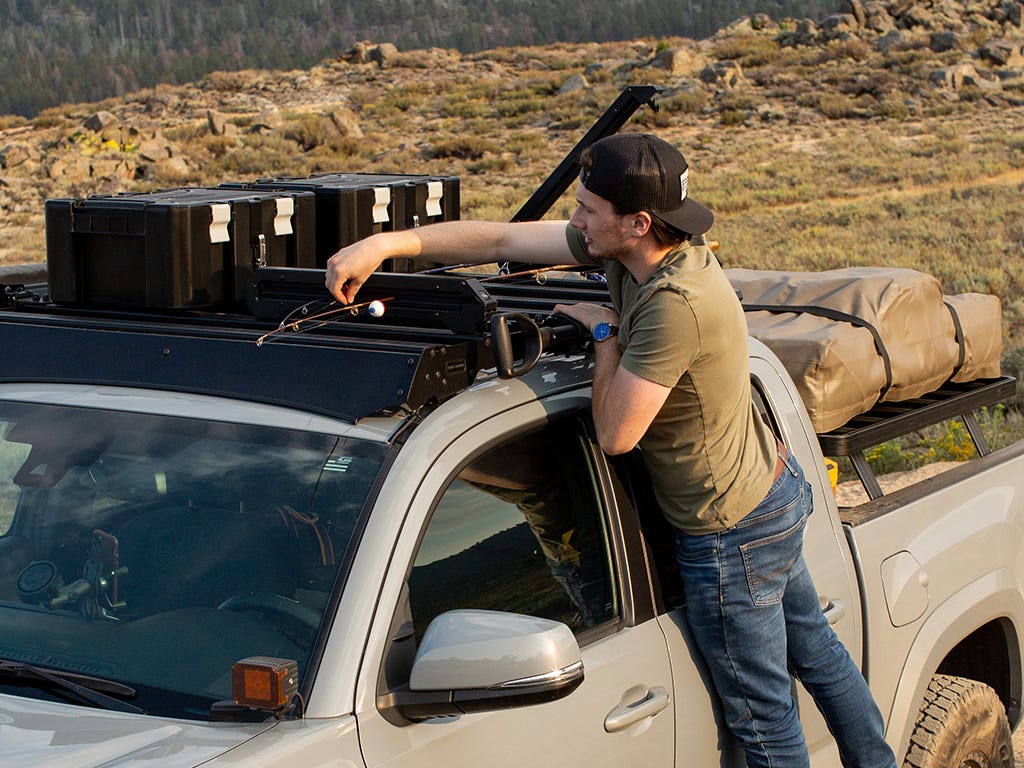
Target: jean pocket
(769,560)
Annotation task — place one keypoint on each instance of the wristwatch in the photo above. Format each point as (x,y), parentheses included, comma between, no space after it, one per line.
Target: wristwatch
(604,331)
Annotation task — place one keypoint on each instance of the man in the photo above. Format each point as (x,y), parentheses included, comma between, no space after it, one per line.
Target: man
(671,376)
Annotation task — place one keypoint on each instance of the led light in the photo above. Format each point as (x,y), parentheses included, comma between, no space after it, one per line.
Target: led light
(262,682)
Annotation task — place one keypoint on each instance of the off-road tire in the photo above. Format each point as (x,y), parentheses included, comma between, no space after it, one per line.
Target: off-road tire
(961,724)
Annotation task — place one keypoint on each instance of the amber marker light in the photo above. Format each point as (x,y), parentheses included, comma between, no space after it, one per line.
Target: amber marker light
(262,682)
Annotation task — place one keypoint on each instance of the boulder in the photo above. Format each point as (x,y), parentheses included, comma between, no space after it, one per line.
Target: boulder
(99,120)
(384,54)
(574,84)
(961,75)
(722,74)
(877,18)
(358,53)
(13,155)
(345,121)
(945,40)
(856,9)
(216,122)
(839,25)
(678,61)
(1003,53)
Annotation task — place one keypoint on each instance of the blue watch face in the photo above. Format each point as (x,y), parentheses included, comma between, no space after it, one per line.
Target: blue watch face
(602,331)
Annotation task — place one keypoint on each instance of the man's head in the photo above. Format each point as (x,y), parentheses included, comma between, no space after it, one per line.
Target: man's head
(640,172)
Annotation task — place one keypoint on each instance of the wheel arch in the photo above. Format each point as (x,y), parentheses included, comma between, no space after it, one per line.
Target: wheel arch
(982,618)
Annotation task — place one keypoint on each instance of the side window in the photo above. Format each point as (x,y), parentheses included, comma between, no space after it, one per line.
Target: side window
(12,456)
(520,529)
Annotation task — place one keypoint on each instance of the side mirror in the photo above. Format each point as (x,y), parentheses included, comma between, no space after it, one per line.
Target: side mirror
(478,661)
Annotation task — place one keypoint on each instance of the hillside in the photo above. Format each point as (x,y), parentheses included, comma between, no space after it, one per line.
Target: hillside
(59,51)
(891,133)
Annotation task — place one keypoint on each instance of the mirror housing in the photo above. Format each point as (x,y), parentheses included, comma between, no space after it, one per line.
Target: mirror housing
(479,661)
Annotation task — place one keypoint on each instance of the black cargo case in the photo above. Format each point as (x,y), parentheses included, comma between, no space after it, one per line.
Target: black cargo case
(176,248)
(351,206)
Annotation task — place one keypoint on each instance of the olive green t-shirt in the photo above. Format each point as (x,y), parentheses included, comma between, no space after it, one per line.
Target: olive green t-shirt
(710,455)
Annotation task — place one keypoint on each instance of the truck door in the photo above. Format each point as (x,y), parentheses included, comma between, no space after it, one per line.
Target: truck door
(522,519)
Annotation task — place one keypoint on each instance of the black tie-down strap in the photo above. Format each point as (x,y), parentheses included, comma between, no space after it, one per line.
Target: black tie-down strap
(833,314)
(960,340)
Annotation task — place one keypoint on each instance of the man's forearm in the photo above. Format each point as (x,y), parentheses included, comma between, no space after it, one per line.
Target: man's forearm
(452,242)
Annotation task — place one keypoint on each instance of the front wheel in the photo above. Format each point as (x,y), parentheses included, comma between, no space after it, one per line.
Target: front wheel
(961,724)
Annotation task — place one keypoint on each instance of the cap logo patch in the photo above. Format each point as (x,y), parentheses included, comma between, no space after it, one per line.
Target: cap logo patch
(684,180)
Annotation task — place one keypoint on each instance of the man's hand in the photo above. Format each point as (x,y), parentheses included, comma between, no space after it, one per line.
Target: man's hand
(588,314)
(348,269)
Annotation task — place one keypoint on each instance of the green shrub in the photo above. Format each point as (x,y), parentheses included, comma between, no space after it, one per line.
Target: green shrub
(310,130)
(464,148)
(749,50)
(836,106)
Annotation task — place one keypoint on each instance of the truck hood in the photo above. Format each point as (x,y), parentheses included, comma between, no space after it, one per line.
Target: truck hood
(40,733)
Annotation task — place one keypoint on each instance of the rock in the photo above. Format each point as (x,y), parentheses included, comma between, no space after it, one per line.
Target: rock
(216,122)
(13,155)
(99,120)
(269,120)
(1003,53)
(943,41)
(723,74)
(1014,13)
(574,84)
(805,34)
(838,25)
(762,22)
(897,8)
(172,169)
(358,53)
(111,168)
(384,54)
(678,61)
(856,9)
(345,121)
(877,18)
(963,74)
(894,40)
(70,169)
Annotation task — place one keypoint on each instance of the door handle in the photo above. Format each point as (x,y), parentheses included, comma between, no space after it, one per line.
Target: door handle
(834,610)
(625,715)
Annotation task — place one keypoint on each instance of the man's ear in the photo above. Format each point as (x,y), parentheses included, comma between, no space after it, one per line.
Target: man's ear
(640,224)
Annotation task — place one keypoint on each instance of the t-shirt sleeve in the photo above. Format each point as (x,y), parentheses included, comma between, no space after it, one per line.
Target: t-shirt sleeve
(664,339)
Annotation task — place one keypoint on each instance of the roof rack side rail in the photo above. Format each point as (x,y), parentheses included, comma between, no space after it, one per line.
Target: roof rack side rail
(456,303)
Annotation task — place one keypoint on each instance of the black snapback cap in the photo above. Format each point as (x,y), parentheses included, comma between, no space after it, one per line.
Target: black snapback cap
(640,172)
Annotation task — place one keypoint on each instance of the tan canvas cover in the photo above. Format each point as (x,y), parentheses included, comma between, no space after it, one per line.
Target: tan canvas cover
(877,315)
(981,319)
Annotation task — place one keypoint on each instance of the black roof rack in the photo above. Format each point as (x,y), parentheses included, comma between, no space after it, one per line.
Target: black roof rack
(435,336)
(890,420)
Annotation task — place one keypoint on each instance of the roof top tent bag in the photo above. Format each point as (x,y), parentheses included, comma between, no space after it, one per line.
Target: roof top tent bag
(173,249)
(853,337)
(351,206)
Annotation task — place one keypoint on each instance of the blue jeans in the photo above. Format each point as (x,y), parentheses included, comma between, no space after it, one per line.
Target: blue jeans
(754,614)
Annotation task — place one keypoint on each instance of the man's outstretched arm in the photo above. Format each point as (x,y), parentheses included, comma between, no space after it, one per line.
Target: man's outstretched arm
(451,242)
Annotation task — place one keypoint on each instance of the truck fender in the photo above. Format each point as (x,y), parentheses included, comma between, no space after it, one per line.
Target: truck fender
(994,596)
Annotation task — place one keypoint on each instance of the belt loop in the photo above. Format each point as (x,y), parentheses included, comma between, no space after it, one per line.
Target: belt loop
(786,457)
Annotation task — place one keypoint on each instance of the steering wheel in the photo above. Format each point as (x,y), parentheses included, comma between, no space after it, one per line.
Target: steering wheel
(275,605)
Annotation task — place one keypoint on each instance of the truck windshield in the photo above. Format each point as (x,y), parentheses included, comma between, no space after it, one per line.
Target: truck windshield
(156,551)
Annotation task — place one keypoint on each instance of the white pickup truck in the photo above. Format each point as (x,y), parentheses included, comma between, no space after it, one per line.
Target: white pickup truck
(357,544)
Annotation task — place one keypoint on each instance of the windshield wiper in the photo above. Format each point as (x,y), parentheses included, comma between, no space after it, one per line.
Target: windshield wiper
(87,688)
